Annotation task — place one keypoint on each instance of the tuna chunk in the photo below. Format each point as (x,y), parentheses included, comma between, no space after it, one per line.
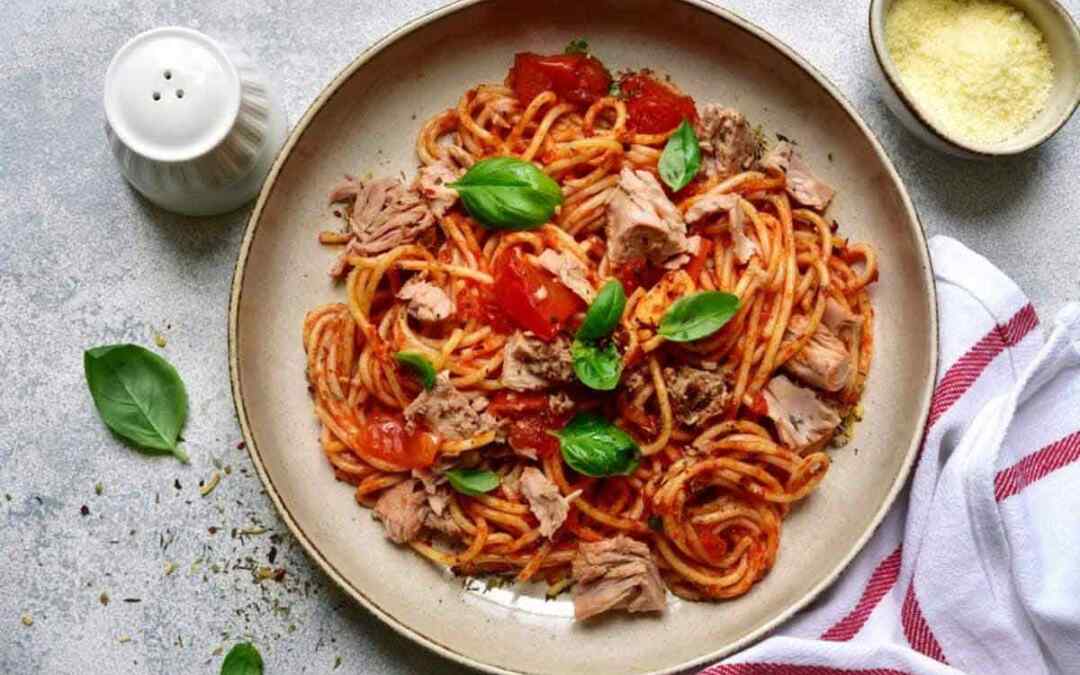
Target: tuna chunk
(642,222)
(545,500)
(715,201)
(438,516)
(616,573)
(802,185)
(801,418)
(450,413)
(696,395)
(427,302)
(529,363)
(384,215)
(402,510)
(570,271)
(409,507)
(431,182)
(727,141)
(842,322)
(824,362)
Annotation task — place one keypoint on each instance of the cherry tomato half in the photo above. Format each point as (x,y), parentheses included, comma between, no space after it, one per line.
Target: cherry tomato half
(654,107)
(385,437)
(578,78)
(531,418)
(532,298)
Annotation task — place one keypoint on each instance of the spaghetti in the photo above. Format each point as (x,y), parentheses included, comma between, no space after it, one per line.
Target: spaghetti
(708,497)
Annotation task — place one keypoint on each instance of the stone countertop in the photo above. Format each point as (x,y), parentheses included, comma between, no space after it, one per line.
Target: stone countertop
(114,559)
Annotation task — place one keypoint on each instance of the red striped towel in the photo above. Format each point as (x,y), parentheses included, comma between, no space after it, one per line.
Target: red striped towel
(976,568)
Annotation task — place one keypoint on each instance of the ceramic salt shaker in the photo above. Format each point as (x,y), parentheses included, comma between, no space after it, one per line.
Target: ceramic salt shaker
(191,121)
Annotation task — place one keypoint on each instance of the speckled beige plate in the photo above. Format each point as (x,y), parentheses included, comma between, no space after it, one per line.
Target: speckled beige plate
(367,120)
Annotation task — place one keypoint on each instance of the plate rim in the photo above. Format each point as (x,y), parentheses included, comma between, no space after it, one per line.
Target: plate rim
(309,546)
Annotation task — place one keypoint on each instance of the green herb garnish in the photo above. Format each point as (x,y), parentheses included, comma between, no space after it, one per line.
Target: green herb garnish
(578,46)
(698,315)
(604,313)
(506,193)
(243,659)
(139,396)
(472,482)
(681,159)
(593,446)
(420,366)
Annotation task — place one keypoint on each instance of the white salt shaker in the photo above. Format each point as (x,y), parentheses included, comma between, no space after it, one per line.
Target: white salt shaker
(192,123)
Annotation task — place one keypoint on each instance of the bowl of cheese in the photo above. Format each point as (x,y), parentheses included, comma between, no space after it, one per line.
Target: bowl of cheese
(978,78)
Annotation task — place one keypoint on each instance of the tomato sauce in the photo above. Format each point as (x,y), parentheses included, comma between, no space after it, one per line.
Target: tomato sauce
(654,107)
(385,437)
(577,78)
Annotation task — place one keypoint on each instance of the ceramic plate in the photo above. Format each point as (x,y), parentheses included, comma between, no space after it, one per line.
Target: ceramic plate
(367,120)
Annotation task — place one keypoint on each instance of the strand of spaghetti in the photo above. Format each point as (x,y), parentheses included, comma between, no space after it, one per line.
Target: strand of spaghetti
(666,422)
(534,563)
(541,131)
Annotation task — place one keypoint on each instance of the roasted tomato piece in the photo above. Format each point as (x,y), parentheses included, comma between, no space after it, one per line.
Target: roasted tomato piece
(478,302)
(385,437)
(531,297)
(578,78)
(654,107)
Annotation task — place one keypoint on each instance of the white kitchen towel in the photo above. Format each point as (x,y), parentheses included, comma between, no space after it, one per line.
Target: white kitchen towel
(976,569)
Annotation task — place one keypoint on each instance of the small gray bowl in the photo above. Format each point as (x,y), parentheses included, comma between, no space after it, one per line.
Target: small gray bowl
(1063,39)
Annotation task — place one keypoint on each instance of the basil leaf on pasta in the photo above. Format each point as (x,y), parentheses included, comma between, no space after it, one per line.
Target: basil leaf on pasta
(604,313)
(138,395)
(595,447)
(506,193)
(472,482)
(577,46)
(681,159)
(698,315)
(242,659)
(597,367)
(420,366)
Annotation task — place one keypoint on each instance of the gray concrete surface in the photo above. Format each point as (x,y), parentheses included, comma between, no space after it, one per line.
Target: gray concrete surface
(84,261)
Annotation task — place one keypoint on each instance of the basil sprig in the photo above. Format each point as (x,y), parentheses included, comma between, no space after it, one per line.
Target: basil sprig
(698,315)
(681,159)
(506,193)
(577,46)
(472,482)
(598,367)
(420,366)
(139,396)
(604,313)
(593,446)
(597,362)
(243,659)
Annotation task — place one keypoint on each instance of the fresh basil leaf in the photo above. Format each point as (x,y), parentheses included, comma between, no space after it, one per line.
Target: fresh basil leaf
(698,315)
(681,159)
(578,46)
(614,89)
(593,446)
(138,395)
(506,193)
(597,367)
(472,482)
(420,366)
(242,659)
(604,313)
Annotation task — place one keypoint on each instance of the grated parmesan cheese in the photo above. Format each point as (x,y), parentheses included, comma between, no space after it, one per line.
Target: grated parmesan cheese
(979,68)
